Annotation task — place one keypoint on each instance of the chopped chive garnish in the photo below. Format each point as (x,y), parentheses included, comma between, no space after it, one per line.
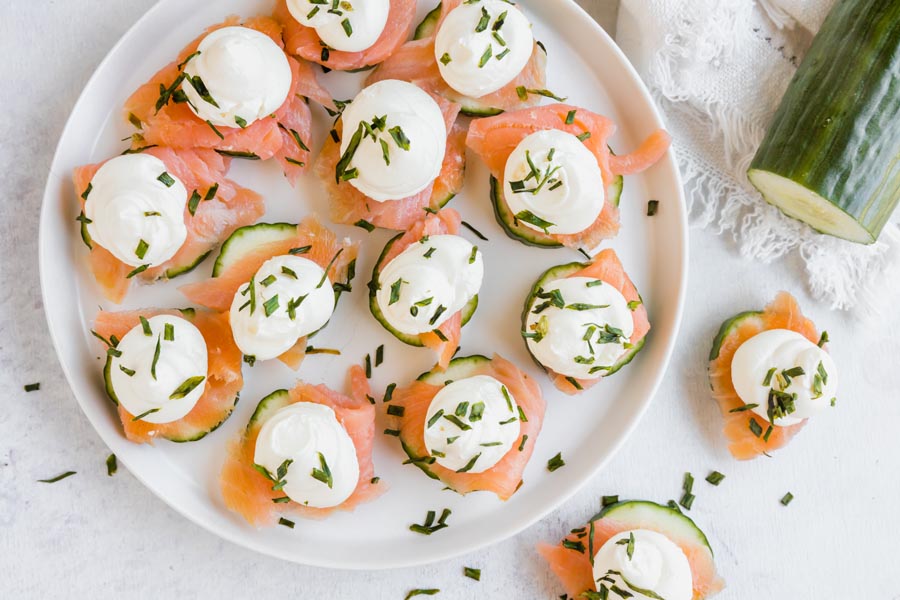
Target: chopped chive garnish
(823,339)
(421,592)
(462,408)
(368,362)
(288,272)
(137,271)
(629,544)
(652,207)
(399,137)
(522,443)
(393,432)
(250,359)
(570,117)
(169,332)
(470,464)
(59,477)
(529,217)
(435,418)
(556,462)
(241,122)
(111,465)
(489,51)
(522,416)
(473,255)
(268,281)
(323,473)
(583,136)
(286,522)
(577,546)
(477,233)
(211,192)
(166,179)
(135,121)
(194,202)
(688,483)
(484,21)
(236,154)
(445,59)
(743,408)
(396,411)
(300,250)
(187,387)
(389,392)
(215,130)
(755,427)
(477,412)
(348,28)
(145,326)
(141,249)
(458,422)
(379,355)
(127,371)
(281,500)
(472,573)
(607,500)
(395,291)
(687,500)
(328,268)
(786,499)
(767,380)
(145,414)
(314,350)
(155,358)
(429,526)
(270,305)
(437,313)
(490,444)
(450,440)
(715,478)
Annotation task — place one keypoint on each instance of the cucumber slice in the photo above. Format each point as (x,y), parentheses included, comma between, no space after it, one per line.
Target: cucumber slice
(267,407)
(527,235)
(246,239)
(181,270)
(85,236)
(637,514)
(830,156)
(727,328)
(560,272)
(413,340)
(429,24)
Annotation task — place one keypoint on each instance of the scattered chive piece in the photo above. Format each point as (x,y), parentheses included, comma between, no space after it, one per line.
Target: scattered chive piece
(323,473)
(187,387)
(59,477)
(652,207)
(429,527)
(399,137)
(688,485)
(393,432)
(823,339)
(127,371)
(421,592)
(583,136)
(767,380)
(145,325)
(32,387)
(786,499)
(715,478)
(379,355)
(573,545)
(472,573)
(456,421)
(314,350)
(301,250)
(137,271)
(755,427)
(194,202)
(348,28)
(211,193)
(236,154)
(435,417)
(750,406)
(687,500)
(607,500)
(169,332)
(522,443)
(111,465)
(141,249)
(286,522)
(374,480)
(281,500)
(477,233)
(145,414)
(556,462)
(155,359)
(398,411)
(469,464)
(241,122)
(570,118)
(389,392)
(271,305)
(268,281)
(166,179)
(368,366)
(486,56)
(445,59)
(362,223)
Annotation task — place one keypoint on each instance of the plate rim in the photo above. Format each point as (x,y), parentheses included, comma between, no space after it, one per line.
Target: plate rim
(669,162)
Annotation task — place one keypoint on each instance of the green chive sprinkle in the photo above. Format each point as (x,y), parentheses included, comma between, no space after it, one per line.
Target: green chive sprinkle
(59,477)
(556,462)
(32,387)
(787,498)
(715,478)
(111,465)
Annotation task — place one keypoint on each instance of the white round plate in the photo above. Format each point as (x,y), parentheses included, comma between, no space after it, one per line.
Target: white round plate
(586,66)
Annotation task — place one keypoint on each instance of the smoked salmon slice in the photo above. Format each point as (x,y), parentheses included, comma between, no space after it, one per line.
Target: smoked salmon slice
(304,42)
(248,493)
(350,206)
(223,381)
(493,139)
(285,135)
(607,267)
(312,240)
(229,207)
(415,62)
(505,477)
(781,313)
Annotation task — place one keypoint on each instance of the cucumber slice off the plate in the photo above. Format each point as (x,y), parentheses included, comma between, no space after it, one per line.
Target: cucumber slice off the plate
(413,340)
(560,272)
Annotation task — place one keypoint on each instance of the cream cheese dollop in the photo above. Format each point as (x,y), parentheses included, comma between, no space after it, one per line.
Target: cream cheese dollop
(656,564)
(291,297)
(353,26)
(159,368)
(551,175)
(243,76)
(429,282)
(579,327)
(323,468)
(471,424)
(135,209)
(787,362)
(401,137)
(482,46)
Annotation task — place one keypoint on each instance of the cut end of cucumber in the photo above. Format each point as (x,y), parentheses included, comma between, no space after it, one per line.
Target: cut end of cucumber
(799,202)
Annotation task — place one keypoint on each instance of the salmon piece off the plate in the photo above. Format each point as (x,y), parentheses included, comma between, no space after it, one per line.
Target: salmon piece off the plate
(249,493)
(202,171)
(284,136)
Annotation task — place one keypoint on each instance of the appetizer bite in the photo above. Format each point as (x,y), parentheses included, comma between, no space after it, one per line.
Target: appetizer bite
(425,284)
(395,151)
(157,213)
(480,54)
(472,426)
(769,372)
(174,374)
(233,90)
(584,321)
(635,549)
(306,451)
(280,284)
(554,180)
(345,36)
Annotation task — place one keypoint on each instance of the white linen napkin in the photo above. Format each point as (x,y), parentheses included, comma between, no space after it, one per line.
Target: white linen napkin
(718,69)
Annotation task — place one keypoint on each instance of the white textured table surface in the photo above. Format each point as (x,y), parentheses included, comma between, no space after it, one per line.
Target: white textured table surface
(93,536)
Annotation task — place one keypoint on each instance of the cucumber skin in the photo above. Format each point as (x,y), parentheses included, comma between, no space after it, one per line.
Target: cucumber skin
(727,327)
(843,145)
(559,272)
(609,511)
(286,229)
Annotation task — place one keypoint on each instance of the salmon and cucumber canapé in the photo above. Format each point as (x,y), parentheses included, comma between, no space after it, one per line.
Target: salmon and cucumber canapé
(554,180)
(425,284)
(769,372)
(346,36)
(472,426)
(584,321)
(235,91)
(306,452)
(480,55)
(635,549)
(157,213)
(279,284)
(394,153)
(173,374)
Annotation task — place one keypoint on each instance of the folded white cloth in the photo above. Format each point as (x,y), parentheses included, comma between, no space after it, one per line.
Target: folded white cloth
(718,69)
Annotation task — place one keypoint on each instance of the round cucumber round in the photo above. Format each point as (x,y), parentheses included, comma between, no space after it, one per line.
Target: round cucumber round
(525,234)
(636,514)
(267,407)
(560,272)
(727,328)
(249,238)
(413,340)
